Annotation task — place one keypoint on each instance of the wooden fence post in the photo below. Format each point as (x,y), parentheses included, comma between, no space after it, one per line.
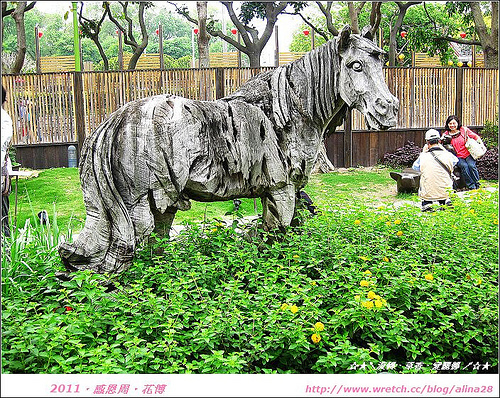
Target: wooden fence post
(37,51)
(120,50)
(219,83)
(276,47)
(348,139)
(160,46)
(459,87)
(79,110)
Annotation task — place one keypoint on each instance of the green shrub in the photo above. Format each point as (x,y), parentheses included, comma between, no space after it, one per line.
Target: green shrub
(489,134)
(357,285)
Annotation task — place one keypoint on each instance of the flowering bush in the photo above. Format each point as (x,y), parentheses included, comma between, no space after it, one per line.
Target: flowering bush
(321,298)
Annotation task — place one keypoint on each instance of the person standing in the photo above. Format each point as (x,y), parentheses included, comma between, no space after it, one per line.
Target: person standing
(6,164)
(466,162)
(436,167)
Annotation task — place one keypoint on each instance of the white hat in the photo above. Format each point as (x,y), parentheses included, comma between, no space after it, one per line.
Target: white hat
(432,135)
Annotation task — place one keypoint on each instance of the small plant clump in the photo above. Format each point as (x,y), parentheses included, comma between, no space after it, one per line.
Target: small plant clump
(489,134)
(402,157)
(487,165)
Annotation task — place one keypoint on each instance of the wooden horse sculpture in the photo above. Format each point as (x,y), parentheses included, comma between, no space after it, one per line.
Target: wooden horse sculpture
(150,157)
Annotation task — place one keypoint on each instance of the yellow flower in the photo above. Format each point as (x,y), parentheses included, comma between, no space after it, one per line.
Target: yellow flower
(495,222)
(319,326)
(357,297)
(367,272)
(214,229)
(316,338)
(357,222)
(284,306)
(313,283)
(472,211)
(429,277)
(364,283)
(399,233)
(294,309)
(397,222)
(378,304)
(371,294)
(386,259)
(296,256)
(363,258)
(367,304)
(479,281)
(388,223)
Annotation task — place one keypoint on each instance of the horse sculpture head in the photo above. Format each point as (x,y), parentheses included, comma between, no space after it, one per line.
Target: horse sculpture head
(361,80)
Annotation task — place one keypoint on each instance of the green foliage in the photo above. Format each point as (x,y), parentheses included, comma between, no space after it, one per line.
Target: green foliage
(489,134)
(256,9)
(369,283)
(303,43)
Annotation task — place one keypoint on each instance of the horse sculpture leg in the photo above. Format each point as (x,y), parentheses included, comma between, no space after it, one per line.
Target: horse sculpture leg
(163,221)
(278,207)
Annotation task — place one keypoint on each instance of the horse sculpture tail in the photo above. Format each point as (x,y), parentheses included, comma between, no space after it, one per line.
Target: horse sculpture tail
(107,241)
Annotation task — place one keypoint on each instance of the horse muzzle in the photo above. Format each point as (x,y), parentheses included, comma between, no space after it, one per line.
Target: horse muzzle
(383,114)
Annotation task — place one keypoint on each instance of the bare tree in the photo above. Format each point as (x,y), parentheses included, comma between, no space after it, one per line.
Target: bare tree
(354,11)
(91,28)
(403,8)
(252,44)
(18,16)
(127,28)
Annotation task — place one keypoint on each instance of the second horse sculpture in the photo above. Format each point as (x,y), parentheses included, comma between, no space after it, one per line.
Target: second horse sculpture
(150,157)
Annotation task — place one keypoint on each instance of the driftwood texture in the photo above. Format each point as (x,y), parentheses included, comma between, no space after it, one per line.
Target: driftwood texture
(150,157)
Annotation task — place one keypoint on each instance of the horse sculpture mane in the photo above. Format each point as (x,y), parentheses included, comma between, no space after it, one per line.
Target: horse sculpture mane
(152,156)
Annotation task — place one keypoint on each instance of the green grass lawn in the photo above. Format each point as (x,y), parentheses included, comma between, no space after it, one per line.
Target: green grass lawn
(60,189)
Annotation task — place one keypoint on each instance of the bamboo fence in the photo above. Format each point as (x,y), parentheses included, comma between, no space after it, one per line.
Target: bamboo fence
(44,109)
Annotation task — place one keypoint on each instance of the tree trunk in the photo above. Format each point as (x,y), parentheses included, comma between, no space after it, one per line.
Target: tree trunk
(254,59)
(18,16)
(490,57)
(128,34)
(203,38)
(488,38)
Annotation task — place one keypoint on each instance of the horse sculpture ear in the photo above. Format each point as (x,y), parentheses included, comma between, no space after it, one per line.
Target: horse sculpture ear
(344,38)
(366,32)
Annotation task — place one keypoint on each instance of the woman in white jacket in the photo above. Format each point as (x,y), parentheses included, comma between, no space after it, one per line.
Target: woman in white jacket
(436,167)
(6,165)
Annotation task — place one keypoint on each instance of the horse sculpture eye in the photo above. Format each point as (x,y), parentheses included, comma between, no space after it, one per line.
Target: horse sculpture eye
(356,66)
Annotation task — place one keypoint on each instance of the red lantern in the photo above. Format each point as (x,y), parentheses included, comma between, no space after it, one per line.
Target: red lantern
(157,31)
(463,34)
(234,31)
(403,34)
(306,32)
(195,30)
(40,34)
